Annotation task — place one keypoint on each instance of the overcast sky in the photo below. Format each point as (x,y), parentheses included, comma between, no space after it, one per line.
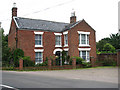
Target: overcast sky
(102,15)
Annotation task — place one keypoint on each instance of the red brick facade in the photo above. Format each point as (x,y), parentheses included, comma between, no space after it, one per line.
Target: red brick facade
(26,40)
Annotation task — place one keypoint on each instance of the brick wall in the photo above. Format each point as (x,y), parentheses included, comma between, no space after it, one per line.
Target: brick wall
(12,35)
(106,56)
(73,38)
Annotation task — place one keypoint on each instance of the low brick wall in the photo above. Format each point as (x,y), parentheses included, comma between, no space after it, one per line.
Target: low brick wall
(106,56)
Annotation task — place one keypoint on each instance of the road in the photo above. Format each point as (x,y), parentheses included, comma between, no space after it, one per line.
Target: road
(47,79)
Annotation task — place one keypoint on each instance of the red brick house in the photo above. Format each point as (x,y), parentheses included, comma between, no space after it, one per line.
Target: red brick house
(41,38)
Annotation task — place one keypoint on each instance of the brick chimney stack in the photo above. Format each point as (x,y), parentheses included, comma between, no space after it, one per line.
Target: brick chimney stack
(73,17)
(14,10)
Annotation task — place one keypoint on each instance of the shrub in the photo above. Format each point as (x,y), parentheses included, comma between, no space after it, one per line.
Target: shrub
(45,63)
(79,60)
(17,54)
(27,62)
(86,64)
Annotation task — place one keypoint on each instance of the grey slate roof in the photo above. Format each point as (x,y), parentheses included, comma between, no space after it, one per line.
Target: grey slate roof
(37,24)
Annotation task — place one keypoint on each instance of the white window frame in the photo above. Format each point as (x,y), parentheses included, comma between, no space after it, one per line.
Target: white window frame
(65,45)
(86,38)
(58,34)
(39,51)
(39,33)
(65,33)
(84,49)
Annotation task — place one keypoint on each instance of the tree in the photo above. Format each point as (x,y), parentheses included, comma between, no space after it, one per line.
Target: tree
(115,40)
(108,47)
(17,54)
(101,43)
(5,50)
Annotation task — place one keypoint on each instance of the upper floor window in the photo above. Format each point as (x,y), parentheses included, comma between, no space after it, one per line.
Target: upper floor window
(58,40)
(38,39)
(66,39)
(83,38)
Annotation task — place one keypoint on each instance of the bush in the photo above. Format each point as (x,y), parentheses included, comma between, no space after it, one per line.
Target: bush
(17,54)
(86,64)
(27,62)
(79,60)
(45,63)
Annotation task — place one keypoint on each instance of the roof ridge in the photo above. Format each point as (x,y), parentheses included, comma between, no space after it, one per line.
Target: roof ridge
(42,20)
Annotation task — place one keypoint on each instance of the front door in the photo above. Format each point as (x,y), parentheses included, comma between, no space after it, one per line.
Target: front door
(58,59)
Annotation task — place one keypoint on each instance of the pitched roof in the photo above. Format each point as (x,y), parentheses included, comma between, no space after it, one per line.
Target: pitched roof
(37,24)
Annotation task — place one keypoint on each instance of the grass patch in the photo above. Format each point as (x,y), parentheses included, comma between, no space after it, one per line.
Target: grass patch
(62,69)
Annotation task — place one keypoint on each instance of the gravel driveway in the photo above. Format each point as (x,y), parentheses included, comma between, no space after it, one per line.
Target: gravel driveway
(95,74)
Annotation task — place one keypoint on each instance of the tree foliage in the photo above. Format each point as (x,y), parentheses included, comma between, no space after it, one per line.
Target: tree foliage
(6,55)
(109,47)
(110,44)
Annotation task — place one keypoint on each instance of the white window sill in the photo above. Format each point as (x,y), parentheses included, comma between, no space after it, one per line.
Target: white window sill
(65,45)
(38,45)
(84,45)
(38,63)
(87,60)
(58,46)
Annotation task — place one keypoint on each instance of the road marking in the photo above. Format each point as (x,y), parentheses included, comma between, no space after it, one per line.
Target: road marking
(8,87)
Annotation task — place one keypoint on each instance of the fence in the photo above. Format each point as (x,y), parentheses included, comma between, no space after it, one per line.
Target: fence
(110,56)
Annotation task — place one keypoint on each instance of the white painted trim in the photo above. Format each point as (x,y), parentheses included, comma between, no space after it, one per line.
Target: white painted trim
(84,49)
(58,49)
(66,49)
(16,21)
(58,46)
(38,45)
(38,62)
(75,24)
(38,32)
(84,45)
(66,32)
(81,32)
(66,45)
(38,50)
(58,33)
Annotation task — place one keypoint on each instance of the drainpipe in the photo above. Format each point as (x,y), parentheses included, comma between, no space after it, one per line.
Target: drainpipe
(16,38)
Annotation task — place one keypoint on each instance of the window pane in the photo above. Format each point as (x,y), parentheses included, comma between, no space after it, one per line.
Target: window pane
(38,39)
(66,39)
(84,55)
(79,39)
(88,55)
(57,40)
(38,57)
(83,39)
(87,39)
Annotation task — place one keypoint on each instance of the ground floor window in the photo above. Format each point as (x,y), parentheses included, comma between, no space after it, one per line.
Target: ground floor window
(85,55)
(38,57)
